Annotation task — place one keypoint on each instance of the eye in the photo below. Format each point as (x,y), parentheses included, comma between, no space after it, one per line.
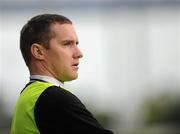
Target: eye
(70,43)
(77,42)
(67,43)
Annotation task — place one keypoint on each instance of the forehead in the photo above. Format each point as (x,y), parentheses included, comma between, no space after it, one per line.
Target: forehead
(63,31)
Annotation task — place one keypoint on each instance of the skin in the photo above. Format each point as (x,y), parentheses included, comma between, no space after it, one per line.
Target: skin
(61,60)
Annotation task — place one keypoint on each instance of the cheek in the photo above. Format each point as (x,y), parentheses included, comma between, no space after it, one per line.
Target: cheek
(61,60)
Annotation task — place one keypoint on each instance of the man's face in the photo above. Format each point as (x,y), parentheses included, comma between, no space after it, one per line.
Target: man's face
(62,57)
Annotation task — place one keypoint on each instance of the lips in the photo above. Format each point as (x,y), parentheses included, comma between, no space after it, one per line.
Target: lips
(75,64)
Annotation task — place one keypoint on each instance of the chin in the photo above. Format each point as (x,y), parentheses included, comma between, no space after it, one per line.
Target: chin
(72,78)
(75,77)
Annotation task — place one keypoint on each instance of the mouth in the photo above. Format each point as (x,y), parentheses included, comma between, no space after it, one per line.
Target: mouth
(75,66)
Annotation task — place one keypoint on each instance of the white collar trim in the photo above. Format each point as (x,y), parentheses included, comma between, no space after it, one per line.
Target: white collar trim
(47,79)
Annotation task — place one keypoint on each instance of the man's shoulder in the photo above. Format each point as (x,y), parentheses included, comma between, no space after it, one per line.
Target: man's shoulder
(58,95)
(57,91)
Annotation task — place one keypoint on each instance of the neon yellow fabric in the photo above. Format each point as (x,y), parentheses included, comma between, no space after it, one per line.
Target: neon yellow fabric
(23,116)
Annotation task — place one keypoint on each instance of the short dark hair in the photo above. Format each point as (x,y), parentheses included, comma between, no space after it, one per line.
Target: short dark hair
(37,30)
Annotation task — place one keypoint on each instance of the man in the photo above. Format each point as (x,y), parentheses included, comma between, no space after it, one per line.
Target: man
(49,46)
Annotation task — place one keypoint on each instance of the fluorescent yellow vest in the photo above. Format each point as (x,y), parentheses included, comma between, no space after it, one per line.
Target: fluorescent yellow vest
(23,116)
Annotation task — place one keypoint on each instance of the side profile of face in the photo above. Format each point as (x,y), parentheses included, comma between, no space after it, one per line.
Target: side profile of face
(61,60)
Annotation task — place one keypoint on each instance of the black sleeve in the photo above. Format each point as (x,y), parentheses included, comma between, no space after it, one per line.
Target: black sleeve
(58,111)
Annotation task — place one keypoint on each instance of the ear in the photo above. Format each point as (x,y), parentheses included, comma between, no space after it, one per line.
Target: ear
(37,51)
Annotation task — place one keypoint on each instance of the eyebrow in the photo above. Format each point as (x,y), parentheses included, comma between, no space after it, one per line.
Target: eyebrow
(70,41)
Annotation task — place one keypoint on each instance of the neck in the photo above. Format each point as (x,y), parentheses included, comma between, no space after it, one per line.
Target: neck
(39,68)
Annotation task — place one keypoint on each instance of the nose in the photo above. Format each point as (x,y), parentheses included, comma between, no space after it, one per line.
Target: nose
(78,53)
